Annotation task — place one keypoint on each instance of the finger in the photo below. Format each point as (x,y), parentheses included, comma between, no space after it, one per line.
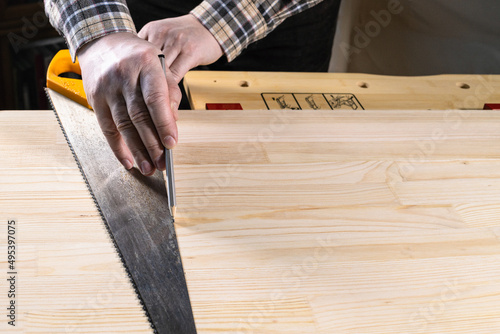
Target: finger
(139,115)
(171,52)
(181,65)
(175,94)
(129,133)
(143,33)
(156,96)
(112,135)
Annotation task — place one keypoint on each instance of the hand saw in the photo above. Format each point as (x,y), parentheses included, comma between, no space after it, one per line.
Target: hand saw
(134,207)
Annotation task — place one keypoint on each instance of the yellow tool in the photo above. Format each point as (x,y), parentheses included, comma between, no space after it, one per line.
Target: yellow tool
(71,88)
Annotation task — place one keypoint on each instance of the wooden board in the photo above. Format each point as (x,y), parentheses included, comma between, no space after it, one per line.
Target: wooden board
(288,222)
(271,90)
(340,222)
(69,277)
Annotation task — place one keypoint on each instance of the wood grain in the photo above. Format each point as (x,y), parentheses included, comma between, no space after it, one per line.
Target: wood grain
(373,91)
(287,222)
(340,222)
(70,279)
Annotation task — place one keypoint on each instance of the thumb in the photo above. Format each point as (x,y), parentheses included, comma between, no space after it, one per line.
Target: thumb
(181,65)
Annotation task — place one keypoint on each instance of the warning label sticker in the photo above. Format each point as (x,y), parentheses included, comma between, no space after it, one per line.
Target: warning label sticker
(315,101)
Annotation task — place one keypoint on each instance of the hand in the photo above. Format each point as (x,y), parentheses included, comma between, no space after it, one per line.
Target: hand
(184,41)
(134,104)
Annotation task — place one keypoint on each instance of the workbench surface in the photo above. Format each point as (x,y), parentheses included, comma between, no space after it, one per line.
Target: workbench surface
(340,222)
(69,276)
(287,222)
(337,91)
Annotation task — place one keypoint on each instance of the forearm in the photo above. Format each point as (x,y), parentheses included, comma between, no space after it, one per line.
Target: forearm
(236,24)
(83,21)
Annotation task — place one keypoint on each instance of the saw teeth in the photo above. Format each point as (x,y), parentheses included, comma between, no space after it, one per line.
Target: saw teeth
(115,245)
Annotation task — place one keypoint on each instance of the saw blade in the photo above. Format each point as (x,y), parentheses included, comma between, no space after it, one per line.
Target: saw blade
(135,210)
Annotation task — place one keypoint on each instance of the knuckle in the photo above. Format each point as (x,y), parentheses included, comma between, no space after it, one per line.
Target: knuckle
(119,71)
(129,84)
(189,49)
(148,56)
(166,126)
(154,98)
(138,152)
(111,132)
(147,28)
(153,147)
(123,124)
(175,93)
(161,31)
(91,98)
(134,99)
(164,28)
(177,76)
(180,36)
(139,116)
(92,92)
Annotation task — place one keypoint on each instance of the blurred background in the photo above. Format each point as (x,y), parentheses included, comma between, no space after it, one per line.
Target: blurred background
(27,44)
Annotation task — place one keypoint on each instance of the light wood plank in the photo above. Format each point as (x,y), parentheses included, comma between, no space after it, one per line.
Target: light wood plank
(70,278)
(479,215)
(340,222)
(211,137)
(374,222)
(444,183)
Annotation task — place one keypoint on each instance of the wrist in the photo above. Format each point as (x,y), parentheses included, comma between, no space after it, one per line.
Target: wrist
(107,41)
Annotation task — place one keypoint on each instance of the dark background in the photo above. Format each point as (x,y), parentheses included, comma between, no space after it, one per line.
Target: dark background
(27,44)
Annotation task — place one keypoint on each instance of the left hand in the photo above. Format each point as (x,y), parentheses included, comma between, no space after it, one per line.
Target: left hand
(184,41)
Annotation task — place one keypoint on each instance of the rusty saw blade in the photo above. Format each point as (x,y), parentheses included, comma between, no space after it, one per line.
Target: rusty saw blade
(136,213)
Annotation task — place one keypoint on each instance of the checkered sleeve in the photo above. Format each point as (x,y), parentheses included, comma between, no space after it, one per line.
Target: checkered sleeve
(82,21)
(236,24)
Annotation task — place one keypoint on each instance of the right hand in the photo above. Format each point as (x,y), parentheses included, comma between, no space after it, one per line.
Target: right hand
(185,42)
(135,106)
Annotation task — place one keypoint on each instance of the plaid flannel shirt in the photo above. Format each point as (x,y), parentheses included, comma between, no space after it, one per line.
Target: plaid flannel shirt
(234,24)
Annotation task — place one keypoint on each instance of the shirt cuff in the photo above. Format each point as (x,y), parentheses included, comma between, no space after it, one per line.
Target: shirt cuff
(83,21)
(234,24)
